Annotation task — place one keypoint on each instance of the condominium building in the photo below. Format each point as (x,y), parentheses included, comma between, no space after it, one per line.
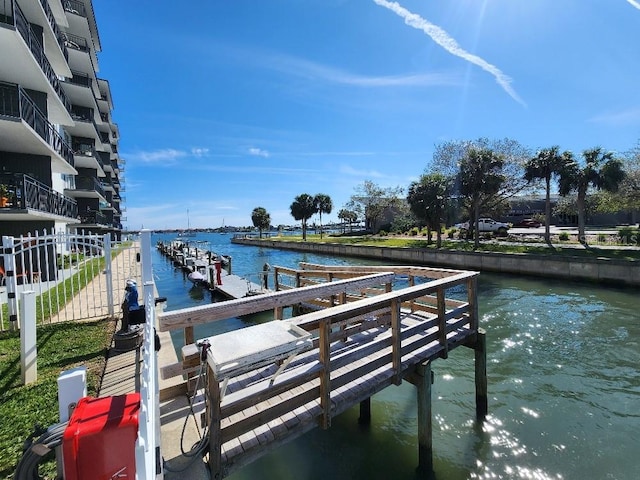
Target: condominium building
(59,163)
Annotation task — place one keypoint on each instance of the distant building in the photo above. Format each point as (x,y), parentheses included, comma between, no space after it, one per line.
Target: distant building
(530,205)
(59,162)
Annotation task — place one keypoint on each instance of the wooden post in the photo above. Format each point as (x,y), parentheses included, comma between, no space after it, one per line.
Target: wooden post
(442,322)
(325,374)
(472,298)
(412,303)
(425,427)
(365,412)
(396,341)
(214,417)
(480,349)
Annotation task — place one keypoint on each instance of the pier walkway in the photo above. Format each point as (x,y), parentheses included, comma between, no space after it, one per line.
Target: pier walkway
(362,337)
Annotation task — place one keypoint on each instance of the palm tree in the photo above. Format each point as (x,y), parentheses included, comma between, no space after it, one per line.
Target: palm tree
(261,219)
(600,170)
(548,163)
(324,205)
(427,199)
(303,208)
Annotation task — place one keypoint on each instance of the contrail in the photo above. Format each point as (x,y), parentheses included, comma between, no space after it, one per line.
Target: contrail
(634,3)
(443,39)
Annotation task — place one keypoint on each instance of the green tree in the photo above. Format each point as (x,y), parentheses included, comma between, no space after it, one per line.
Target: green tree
(448,157)
(261,219)
(548,163)
(480,179)
(324,205)
(599,170)
(302,209)
(428,200)
(371,202)
(347,216)
(627,198)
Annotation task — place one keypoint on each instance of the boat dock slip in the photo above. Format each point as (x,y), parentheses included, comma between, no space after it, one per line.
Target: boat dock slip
(233,286)
(268,384)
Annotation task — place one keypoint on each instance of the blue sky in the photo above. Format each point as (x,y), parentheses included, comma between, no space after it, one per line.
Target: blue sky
(228,105)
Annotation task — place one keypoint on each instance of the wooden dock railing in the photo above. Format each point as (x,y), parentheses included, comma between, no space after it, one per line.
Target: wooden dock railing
(356,350)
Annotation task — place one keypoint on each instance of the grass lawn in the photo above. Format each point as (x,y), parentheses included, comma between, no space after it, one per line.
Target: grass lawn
(494,245)
(61,346)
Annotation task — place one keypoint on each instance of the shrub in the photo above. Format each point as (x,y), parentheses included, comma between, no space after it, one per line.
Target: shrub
(564,236)
(602,238)
(628,235)
(383,233)
(414,231)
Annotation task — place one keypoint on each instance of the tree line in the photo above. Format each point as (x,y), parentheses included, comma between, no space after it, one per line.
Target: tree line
(478,178)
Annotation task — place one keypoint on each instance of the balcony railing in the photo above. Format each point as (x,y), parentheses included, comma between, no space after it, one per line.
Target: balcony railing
(73,6)
(14,102)
(54,26)
(25,192)
(87,150)
(81,79)
(89,184)
(93,218)
(22,25)
(76,42)
(83,114)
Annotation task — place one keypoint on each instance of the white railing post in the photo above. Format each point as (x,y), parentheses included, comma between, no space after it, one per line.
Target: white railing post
(106,242)
(148,453)
(11,281)
(28,348)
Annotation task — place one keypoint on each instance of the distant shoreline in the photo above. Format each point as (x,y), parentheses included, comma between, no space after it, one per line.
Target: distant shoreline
(596,270)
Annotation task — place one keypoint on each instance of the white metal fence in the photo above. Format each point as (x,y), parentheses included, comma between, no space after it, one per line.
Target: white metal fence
(75,275)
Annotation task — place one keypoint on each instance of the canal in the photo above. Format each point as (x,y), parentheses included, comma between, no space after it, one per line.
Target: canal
(564,387)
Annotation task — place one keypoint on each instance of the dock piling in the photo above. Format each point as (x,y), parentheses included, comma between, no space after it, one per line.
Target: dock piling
(425,424)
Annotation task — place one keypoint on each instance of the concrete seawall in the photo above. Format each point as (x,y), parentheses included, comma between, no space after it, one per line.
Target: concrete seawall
(600,270)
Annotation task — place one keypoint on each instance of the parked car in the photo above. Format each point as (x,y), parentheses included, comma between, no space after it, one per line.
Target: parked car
(528,223)
(487,225)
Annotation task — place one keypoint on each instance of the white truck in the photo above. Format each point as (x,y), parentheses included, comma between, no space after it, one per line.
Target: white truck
(486,225)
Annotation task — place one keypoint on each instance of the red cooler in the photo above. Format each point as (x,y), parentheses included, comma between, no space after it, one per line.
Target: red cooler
(99,442)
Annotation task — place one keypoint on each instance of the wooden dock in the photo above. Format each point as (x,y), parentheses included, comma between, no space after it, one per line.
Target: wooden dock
(365,337)
(215,268)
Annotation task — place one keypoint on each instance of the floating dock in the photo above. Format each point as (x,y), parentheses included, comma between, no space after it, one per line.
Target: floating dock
(215,269)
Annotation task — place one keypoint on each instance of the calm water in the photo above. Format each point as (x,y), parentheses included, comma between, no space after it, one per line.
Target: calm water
(564,388)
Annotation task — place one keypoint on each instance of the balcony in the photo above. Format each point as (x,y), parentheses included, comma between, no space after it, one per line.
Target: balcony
(93,218)
(23,27)
(75,7)
(81,79)
(86,156)
(88,187)
(76,42)
(26,193)
(15,103)
(54,27)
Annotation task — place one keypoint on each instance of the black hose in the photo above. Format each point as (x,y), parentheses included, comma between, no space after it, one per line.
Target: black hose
(34,452)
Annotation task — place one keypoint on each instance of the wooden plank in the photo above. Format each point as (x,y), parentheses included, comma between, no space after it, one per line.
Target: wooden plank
(325,373)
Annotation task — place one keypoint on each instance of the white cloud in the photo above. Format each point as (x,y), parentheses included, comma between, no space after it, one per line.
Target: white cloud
(625,117)
(314,71)
(258,152)
(199,152)
(349,170)
(442,38)
(634,3)
(165,155)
